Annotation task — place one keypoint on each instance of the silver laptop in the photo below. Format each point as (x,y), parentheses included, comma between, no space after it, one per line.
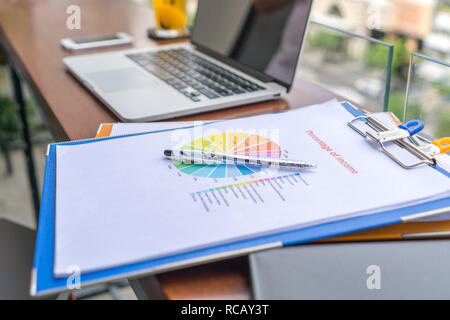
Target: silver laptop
(241,51)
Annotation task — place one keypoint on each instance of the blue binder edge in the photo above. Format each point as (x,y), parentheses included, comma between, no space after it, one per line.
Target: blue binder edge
(43,281)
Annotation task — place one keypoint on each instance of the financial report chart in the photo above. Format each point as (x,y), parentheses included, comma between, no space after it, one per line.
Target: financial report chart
(257,191)
(234,143)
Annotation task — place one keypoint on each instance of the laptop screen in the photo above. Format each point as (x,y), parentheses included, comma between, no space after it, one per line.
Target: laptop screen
(260,36)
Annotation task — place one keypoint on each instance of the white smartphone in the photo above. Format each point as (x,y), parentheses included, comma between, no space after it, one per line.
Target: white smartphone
(116,39)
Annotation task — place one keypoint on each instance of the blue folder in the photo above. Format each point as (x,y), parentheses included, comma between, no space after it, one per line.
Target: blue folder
(44,282)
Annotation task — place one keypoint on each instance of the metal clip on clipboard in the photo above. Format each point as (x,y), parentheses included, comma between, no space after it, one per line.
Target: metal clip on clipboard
(401,136)
(434,147)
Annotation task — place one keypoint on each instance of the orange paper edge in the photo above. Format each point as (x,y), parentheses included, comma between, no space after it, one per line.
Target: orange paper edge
(104,130)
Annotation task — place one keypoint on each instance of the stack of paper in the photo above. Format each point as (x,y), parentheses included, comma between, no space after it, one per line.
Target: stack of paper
(119,201)
(122,209)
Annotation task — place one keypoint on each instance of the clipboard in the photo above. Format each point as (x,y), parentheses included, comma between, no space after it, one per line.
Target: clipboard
(44,282)
(405,230)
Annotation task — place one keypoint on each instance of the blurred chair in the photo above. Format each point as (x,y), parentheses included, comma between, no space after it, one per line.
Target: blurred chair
(16,260)
(354,66)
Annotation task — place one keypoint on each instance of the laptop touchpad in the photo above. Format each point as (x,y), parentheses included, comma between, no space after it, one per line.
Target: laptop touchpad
(120,79)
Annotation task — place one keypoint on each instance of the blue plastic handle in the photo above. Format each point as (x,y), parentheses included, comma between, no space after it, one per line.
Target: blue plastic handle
(412,126)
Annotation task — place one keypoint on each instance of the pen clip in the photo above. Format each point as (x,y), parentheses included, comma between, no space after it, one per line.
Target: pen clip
(197,157)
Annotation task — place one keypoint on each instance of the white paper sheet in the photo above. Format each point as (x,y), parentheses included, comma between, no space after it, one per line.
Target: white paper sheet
(120,128)
(119,201)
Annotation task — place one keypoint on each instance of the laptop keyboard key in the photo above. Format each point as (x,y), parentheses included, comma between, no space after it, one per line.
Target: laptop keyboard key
(192,75)
(208,93)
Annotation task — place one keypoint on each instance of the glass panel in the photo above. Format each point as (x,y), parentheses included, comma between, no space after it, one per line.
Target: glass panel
(428,94)
(331,57)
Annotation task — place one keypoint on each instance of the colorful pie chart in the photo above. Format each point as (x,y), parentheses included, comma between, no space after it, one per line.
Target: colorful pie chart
(233,143)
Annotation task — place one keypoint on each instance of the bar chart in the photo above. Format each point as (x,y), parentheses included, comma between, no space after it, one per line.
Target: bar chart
(256,191)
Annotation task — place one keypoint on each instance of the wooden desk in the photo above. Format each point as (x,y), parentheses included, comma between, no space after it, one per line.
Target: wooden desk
(30,31)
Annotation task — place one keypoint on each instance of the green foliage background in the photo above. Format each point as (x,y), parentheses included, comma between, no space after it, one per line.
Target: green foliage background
(376,56)
(9,124)
(327,41)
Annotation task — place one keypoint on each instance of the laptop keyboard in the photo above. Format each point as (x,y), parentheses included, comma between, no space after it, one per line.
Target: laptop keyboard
(195,77)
